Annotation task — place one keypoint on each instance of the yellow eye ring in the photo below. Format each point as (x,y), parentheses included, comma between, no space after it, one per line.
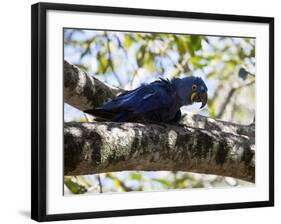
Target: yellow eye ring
(194,86)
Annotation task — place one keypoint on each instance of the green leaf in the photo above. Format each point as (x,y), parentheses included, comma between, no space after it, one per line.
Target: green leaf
(74,187)
(212,57)
(241,53)
(102,63)
(191,50)
(164,183)
(196,59)
(182,46)
(136,176)
(83,181)
(198,62)
(149,62)
(231,63)
(127,41)
(211,74)
(175,73)
(116,183)
(140,55)
(73,43)
(211,107)
(196,42)
(253,53)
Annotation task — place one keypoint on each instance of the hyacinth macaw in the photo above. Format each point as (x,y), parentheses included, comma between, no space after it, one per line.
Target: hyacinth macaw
(158,101)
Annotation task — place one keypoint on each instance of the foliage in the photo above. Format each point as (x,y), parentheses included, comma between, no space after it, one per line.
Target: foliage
(127,59)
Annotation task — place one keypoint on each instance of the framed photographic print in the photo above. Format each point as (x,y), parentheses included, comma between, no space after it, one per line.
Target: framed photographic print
(139,111)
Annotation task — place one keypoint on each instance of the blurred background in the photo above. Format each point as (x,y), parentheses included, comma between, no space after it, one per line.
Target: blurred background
(127,59)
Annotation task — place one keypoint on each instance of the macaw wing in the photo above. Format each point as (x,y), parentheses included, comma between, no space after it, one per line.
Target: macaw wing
(141,100)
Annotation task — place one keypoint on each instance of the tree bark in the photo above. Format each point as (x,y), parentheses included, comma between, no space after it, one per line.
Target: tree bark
(108,147)
(84,91)
(196,144)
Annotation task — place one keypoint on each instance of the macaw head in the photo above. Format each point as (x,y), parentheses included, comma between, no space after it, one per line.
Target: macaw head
(191,89)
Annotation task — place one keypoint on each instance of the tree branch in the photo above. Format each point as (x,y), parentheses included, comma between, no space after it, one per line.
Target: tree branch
(199,121)
(83,91)
(229,96)
(107,147)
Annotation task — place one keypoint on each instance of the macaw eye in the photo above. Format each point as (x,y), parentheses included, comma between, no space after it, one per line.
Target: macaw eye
(194,86)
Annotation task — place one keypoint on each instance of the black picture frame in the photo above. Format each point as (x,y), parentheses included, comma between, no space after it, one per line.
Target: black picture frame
(38,108)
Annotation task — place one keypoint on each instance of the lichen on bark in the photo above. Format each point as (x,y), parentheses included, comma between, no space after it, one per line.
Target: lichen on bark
(109,147)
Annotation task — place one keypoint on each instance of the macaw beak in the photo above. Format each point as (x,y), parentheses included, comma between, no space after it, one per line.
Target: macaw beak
(201,96)
(204,98)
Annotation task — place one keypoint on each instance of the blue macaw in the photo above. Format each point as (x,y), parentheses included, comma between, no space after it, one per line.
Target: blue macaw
(158,101)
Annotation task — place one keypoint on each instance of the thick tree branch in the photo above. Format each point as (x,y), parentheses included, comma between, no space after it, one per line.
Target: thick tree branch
(83,91)
(199,121)
(107,147)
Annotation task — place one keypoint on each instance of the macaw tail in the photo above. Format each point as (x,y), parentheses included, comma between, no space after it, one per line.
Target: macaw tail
(108,115)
